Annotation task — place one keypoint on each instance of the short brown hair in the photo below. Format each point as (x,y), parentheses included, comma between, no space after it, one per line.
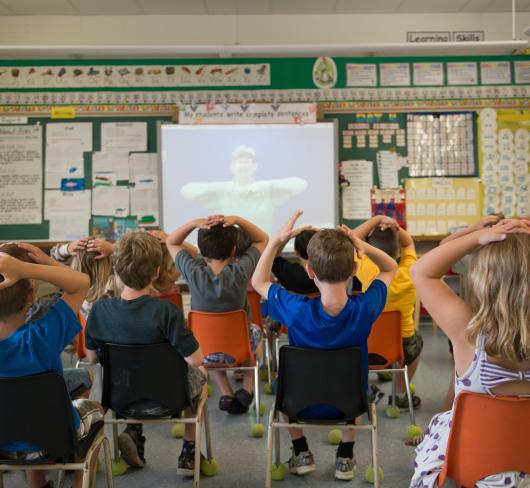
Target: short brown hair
(136,258)
(386,240)
(331,255)
(302,240)
(217,242)
(14,298)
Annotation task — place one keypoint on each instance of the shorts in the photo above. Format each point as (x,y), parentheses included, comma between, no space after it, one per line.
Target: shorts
(149,408)
(412,347)
(255,336)
(90,413)
(77,381)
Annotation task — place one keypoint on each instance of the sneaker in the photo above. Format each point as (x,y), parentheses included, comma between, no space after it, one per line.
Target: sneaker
(345,468)
(403,402)
(132,445)
(302,463)
(375,395)
(186,463)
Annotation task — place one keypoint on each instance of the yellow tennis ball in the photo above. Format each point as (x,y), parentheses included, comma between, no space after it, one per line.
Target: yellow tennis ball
(392,412)
(334,436)
(178,430)
(268,388)
(257,430)
(209,467)
(119,467)
(412,387)
(210,390)
(413,431)
(278,472)
(369,474)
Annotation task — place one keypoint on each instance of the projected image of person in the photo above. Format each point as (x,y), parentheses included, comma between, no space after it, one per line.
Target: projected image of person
(253,199)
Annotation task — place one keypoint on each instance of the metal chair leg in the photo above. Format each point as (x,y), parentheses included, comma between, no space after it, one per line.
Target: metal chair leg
(116,449)
(268,474)
(197,469)
(108,463)
(206,422)
(268,360)
(60,478)
(256,392)
(409,395)
(375,458)
(394,386)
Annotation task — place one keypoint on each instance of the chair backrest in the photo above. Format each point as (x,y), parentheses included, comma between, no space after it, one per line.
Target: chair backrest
(81,342)
(174,297)
(225,332)
(254,302)
(385,337)
(488,435)
(311,376)
(132,373)
(37,410)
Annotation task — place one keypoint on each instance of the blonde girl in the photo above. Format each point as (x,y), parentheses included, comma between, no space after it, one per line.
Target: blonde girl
(490,333)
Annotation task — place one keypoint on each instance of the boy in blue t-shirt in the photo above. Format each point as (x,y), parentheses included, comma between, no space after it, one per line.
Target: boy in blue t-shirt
(35,347)
(334,320)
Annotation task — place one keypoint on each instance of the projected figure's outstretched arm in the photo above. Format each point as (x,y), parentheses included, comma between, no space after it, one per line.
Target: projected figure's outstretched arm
(207,193)
(285,188)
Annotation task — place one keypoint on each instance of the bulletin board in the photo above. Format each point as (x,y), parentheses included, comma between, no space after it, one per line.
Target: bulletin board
(41,232)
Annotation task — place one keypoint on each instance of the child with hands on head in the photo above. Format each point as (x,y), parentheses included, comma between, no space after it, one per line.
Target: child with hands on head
(34,347)
(333,320)
(490,331)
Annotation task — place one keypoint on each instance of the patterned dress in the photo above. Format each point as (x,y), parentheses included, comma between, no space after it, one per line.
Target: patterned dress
(481,377)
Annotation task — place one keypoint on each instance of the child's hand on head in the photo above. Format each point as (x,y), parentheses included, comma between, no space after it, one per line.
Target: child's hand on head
(498,232)
(159,234)
(287,230)
(358,244)
(75,246)
(102,247)
(9,270)
(388,222)
(36,254)
(487,221)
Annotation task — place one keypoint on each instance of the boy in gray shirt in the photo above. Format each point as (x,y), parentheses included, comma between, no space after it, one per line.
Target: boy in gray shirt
(218,283)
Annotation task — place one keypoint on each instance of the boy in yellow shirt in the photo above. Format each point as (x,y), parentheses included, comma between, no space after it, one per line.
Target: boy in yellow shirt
(385,234)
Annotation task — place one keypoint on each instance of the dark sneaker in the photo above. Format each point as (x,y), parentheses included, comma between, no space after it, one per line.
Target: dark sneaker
(132,445)
(302,463)
(403,403)
(345,468)
(186,464)
(375,395)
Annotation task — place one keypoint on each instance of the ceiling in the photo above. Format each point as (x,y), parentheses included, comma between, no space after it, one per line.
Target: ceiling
(252,7)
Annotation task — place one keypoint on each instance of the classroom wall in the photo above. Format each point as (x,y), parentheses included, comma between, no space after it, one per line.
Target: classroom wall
(247,29)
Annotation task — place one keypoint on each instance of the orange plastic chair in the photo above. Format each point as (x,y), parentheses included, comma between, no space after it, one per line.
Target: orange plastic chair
(174,297)
(226,332)
(81,344)
(489,435)
(385,340)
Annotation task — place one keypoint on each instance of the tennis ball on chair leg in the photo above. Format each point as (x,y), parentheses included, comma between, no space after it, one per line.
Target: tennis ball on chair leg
(178,430)
(209,467)
(263,374)
(412,387)
(268,388)
(210,390)
(257,430)
(369,474)
(335,436)
(392,412)
(278,472)
(118,467)
(261,408)
(414,431)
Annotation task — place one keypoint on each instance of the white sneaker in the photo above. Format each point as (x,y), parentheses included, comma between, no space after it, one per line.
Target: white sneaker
(345,468)
(302,463)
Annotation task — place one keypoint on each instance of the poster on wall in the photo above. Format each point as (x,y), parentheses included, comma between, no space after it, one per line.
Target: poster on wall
(21,174)
(361,74)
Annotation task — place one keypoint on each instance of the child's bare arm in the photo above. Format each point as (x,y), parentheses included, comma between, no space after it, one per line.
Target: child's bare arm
(175,241)
(484,222)
(74,284)
(91,356)
(387,266)
(362,231)
(196,359)
(258,237)
(261,277)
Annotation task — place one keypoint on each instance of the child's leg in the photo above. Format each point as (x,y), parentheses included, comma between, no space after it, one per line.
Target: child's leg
(412,347)
(256,345)
(36,479)
(221,379)
(301,462)
(411,370)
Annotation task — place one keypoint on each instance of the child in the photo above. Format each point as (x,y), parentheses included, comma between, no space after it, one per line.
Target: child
(385,234)
(489,332)
(218,283)
(332,321)
(136,317)
(35,347)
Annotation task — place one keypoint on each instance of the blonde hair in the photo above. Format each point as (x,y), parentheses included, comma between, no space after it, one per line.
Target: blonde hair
(137,257)
(99,271)
(498,281)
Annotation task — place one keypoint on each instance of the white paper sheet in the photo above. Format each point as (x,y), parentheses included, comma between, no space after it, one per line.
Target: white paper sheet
(394,74)
(69,227)
(144,203)
(117,162)
(356,202)
(428,74)
(143,170)
(58,204)
(495,73)
(387,169)
(464,73)
(21,174)
(123,136)
(111,200)
(78,134)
